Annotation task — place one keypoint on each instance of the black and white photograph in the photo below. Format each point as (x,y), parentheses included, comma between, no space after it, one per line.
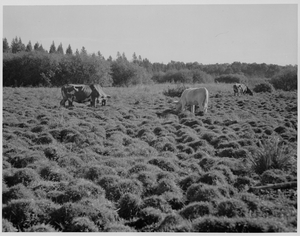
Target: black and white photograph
(149,116)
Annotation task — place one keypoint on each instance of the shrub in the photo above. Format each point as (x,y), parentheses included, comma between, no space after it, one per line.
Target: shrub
(7,226)
(174,223)
(41,228)
(16,192)
(148,179)
(99,213)
(264,88)
(252,201)
(157,202)
(242,181)
(273,154)
(94,172)
(150,215)
(129,206)
(175,92)
(286,80)
(54,173)
(231,208)
(174,199)
(167,185)
(116,190)
(118,227)
(108,183)
(230,177)
(213,177)
(25,176)
(196,209)
(202,192)
(187,181)
(231,78)
(24,213)
(273,176)
(242,225)
(82,224)
(163,164)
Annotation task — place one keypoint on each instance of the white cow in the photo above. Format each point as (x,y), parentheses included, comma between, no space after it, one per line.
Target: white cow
(193,97)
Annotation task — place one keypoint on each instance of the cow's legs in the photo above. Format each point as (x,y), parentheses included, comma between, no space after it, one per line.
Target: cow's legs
(70,103)
(63,102)
(193,108)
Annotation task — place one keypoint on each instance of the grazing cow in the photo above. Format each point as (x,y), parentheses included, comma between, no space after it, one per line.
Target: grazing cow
(193,97)
(241,89)
(83,93)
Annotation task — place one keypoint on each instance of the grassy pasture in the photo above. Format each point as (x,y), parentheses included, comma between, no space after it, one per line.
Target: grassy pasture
(137,165)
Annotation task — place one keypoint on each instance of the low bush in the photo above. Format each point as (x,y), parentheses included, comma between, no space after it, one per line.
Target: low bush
(213,177)
(129,206)
(187,181)
(264,88)
(7,226)
(54,173)
(94,172)
(286,80)
(82,224)
(175,92)
(167,185)
(150,215)
(96,210)
(273,176)
(196,209)
(174,199)
(253,202)
(17,192)
(174,223)
(157,202)
(231,208)
(41,228)
(24,213)
(231,78)
(202,193)
(118,227)
(25,176)
(163,164)
(116,190)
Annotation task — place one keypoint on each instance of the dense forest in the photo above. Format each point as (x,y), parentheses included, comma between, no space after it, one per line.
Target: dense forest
(27,65)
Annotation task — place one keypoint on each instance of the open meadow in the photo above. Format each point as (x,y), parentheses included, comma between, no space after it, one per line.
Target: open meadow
(136,165)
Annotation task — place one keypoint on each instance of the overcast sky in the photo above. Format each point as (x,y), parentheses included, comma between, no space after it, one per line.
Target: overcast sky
(208,34)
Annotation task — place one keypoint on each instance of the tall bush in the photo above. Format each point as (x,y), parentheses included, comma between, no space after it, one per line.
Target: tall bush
(286,79)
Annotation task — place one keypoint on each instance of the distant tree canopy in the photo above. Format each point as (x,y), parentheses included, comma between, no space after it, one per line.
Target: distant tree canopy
(35,66)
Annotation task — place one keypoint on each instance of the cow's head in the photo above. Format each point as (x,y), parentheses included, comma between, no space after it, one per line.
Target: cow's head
(178,105)
(249,92)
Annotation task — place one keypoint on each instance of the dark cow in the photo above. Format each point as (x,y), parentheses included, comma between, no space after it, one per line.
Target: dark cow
(241,89)
(237,89)
(82,93)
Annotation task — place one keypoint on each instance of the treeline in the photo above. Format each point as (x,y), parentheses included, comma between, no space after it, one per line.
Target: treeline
(34,66)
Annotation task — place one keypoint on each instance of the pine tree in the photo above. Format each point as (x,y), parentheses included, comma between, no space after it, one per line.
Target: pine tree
(52,48)
(17,45)
(83,51)
(109,59)
(124,57)
(5,45)
(134,58)
(69,50)
(29,47)
(36,46)
(60,49)
(100,55)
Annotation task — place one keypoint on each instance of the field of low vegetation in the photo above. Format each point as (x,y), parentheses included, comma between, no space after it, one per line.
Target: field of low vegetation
(137,165)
